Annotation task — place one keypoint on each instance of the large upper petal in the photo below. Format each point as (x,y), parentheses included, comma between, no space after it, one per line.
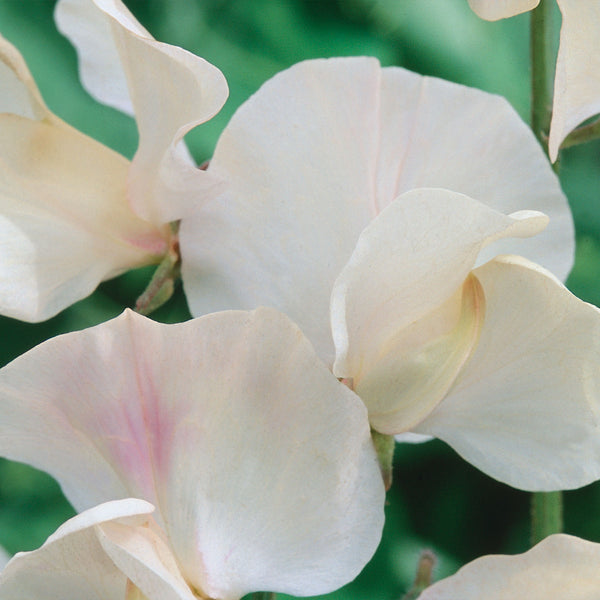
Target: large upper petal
(526,407)
(320,150)
(561,566)
(492,10)
(404,320)
(577,81)
(72,565)
(230,425)
(169,91)
(65,224)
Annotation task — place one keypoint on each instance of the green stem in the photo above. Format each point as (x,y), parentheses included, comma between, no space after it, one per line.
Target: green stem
(263,596)
(546,508)
(546,515)
(541,71)
(162,285)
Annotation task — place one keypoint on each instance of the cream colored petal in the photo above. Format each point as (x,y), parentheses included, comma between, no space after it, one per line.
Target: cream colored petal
(72,565)
(404,314)
(137,408)
(415,368)
(170,90)
(65,224)
(577,81)
(526,407)
(561,566)
(492,10)
(305,174)
(19,95)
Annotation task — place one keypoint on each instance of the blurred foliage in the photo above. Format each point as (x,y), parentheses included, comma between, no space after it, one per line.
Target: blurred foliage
(437,501)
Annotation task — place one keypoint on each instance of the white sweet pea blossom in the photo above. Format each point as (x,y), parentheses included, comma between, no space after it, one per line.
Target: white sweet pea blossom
(577,79)
(73,212)
(561,566)
(258,461)
(315,219)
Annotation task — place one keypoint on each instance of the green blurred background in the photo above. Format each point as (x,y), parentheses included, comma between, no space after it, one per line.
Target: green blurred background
(437,501)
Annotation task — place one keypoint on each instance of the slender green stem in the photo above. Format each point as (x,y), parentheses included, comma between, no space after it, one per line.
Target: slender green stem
(263,596)
(162,285)
(546,515)
(541,71)
(546,508)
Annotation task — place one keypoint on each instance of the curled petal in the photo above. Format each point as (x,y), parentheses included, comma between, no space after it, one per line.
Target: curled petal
(144,556)
(561,566)
(416,367)
(305,174)
(577,81)
(65,224)
(225,424)
(168,89)
(20,95)
(492,10)
(72,564)
(525,408)
(401,310)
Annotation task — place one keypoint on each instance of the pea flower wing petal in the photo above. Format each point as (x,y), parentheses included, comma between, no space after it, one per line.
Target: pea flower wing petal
(525,407)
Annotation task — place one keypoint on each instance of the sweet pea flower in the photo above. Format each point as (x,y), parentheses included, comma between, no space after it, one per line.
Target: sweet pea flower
(561,566)
(577,79)
(73,212)
(317,218)
(258,461)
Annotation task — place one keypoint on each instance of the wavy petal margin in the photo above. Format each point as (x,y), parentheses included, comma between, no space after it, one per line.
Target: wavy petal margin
(229,424)
(168,90)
